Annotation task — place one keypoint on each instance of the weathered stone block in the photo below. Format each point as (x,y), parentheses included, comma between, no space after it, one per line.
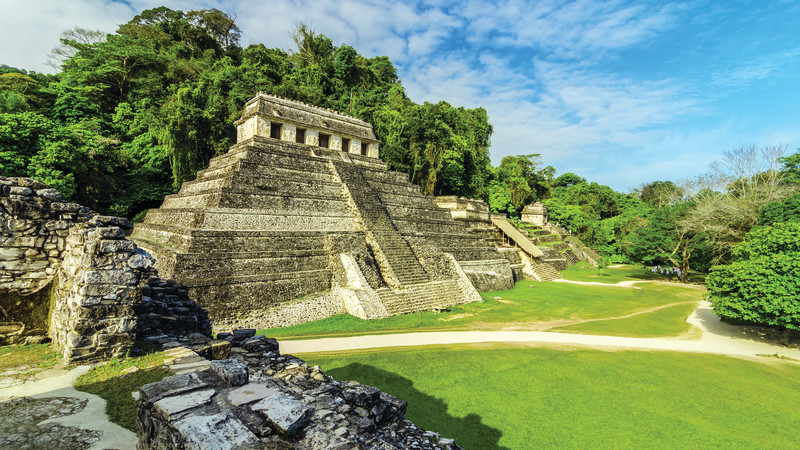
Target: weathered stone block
(287,414)
(216,432)
(168,407)
(250,393)
(62,207)
(49,194)
(18,190)
(174,385)
(230,371)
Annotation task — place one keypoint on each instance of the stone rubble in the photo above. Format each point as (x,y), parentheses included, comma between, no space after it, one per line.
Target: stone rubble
(25,424)
(258,398)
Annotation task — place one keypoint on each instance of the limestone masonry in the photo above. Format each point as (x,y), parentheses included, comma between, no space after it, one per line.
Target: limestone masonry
(71,274)
(300,220)
(257,398)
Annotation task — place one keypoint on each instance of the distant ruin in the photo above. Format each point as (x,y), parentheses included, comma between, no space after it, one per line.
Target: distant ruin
(535,213)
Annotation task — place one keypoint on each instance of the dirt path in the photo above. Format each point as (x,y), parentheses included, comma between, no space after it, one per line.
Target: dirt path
(715,337)
(553,324)
(51,413)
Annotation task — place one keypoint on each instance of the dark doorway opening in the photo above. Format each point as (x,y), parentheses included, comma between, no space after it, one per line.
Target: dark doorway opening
(275,130)
(324,140)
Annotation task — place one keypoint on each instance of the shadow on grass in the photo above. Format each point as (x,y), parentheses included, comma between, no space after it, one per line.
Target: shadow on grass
(425,410)
(696,278)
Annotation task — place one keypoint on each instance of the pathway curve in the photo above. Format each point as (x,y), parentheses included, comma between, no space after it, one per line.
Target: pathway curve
(69,418)
(715,337)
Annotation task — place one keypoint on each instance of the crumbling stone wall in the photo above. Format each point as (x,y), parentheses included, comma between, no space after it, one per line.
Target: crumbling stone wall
(34,224)
(62,262)
(98,281)
(261,399)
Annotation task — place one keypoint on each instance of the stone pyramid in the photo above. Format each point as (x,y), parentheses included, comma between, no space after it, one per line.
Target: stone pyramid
(300,220)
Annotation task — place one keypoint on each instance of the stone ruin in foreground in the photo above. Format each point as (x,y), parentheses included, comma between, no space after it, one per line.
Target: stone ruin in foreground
(70,274)
(300,220)
(257,398)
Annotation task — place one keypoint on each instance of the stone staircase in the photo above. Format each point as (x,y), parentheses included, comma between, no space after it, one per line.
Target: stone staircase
(261,226)
(435,295)
(571,257)
(250,227)
(394,256)
(545,271)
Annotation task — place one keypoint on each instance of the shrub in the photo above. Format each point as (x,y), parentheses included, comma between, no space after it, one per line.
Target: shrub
(762,284)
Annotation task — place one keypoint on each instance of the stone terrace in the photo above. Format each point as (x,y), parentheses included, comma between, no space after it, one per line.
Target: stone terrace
(302,207)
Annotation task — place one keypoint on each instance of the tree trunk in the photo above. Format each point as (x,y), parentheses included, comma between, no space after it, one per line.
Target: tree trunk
(685,255)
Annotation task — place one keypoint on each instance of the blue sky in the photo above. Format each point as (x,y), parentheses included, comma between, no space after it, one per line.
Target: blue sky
(620,92)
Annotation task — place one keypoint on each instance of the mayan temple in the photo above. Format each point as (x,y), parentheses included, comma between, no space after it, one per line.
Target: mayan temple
(301,220)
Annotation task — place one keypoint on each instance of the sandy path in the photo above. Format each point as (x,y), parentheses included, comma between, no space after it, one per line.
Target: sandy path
(92,417)
(716,338)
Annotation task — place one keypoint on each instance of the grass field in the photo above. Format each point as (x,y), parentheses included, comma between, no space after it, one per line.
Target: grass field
(116,379)
(668,321)
(530,304)
(35,358)
(503,396)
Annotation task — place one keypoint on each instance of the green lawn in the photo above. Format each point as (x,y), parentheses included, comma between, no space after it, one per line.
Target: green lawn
(503,396)
(36,357)
(529,303)
(625,272)
(669,321)
(111,382)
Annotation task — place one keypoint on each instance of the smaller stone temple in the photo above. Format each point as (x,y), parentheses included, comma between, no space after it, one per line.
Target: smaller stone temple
(301,220)
(535,213)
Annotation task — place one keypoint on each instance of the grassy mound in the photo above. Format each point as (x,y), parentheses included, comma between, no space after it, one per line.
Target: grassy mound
(531,303)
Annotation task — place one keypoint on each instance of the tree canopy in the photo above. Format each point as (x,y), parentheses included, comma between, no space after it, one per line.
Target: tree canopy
(134,113)
(762,283)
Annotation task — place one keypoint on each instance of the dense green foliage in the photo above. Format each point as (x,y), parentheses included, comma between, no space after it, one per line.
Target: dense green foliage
(133,114)
(781,211)
(517,397)
(762,284)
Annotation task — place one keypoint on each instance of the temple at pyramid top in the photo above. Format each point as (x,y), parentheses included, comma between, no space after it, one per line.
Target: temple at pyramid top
(269,116)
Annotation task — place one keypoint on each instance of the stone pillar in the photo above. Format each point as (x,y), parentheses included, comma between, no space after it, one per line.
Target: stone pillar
(372,150)
(335,142)
(355,147)
(97,285)
(312,137)
(254,126)
(288,132)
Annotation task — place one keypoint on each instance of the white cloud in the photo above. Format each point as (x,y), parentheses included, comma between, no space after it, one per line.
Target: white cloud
(541,69)
(29,30)
(757,69)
